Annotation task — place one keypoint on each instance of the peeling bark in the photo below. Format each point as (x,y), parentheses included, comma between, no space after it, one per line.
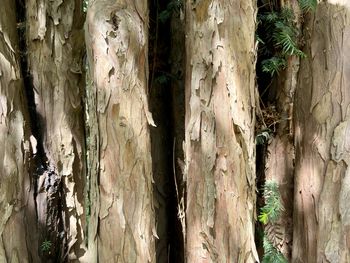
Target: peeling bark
(322,132)
(220,119)
(55,48)
(122,218)
(17,236)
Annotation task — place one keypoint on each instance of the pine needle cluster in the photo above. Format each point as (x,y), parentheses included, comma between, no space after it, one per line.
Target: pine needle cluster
(307,5)
(272,254)
(273,207)
(279,40)
(46,245)
(270,213)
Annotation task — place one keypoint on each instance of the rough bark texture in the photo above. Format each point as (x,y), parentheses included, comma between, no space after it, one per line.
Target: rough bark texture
(122,218)
(55,48)
(322,138)
(17,212)
(220,148)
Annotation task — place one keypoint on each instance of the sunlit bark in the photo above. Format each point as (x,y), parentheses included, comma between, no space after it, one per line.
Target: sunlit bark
(55,49)
(322,138)
(122,227)
(220,118)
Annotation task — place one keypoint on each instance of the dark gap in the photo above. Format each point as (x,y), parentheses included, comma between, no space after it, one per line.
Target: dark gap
(52,242)
(35,120)
(177,83)
(264,82)
(167,113)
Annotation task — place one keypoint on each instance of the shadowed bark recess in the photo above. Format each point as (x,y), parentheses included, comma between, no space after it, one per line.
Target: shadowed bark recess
(167,106)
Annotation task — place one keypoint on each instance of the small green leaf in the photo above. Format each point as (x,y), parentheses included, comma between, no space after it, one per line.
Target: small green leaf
(46,245)
(308,5)
(273,65)
(272,254)
(273,207)
(263,218)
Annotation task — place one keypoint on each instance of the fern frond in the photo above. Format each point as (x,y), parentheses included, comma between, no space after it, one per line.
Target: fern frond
(271,17)
(273,65)
(285,36)
(272,254)
(308,5)
(174,4)
(46,245)
(273,207)
(287,15)
(259,40)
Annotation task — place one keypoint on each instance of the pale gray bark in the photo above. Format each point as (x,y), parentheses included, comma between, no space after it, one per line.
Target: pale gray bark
(322,138)
(220,119)
(122,227)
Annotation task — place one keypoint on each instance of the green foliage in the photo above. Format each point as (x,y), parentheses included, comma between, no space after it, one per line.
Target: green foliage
(270,214)
(308,5)
(172,6)
(272,254)
(284,37)
(46,246)
(273,65)
(279,38)
(273,207)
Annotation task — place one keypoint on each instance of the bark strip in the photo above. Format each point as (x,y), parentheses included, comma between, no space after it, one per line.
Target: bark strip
(18,233)
(55,49)
(122,227)
(220,119)
(322,139)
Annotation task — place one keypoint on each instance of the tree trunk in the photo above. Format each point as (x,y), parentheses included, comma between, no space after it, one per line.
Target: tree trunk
(122,225)
(55,50)
(322,129)
(18,237)
(220,119)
